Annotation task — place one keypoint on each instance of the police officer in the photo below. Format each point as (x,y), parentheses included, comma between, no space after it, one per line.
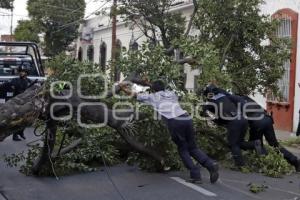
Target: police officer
(261,124)
(229,116)
(19,85)
(180,126)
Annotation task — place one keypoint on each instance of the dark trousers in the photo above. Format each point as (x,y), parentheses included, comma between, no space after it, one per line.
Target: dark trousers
(264,127)
(183,135)
(236,132)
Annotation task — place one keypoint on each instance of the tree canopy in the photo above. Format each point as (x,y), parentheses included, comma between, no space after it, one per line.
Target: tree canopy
(238,30)
(233,42)
(27,31)
(6,4)
(58,20)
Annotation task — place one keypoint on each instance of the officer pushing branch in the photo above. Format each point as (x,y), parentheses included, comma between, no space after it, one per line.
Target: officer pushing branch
(180,126)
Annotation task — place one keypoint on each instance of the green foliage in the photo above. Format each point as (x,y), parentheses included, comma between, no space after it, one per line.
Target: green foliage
(273,164)
(58,20)
(146,61)
(95,148)
(206,60)
(27,31)
(254,188)
(154,134)
(154,19)
(6,4)
(66,69)
(237,29)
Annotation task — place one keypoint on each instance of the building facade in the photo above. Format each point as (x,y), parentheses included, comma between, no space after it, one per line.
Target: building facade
(94,44)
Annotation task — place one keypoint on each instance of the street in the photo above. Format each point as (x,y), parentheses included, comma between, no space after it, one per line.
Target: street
(134,184)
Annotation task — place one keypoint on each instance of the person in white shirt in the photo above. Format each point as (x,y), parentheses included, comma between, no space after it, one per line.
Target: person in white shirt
(180,126)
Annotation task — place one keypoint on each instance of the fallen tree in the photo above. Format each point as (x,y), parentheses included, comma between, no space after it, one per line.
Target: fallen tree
(23,110)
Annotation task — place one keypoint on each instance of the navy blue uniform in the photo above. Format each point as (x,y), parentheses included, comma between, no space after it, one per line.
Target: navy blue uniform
(180,126)
(264,127)
(19,85)
(230,117)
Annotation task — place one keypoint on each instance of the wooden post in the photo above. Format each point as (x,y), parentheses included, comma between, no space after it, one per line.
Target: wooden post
(114,41)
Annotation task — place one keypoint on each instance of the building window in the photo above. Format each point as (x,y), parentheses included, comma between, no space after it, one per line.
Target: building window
(284,83)
(103,54)
(80,54)
(90,53)
(284,30)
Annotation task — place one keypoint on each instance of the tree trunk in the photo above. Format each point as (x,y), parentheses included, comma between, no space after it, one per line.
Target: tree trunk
(26,108)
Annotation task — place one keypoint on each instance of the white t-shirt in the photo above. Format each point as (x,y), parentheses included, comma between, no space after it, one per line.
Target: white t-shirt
(164,102)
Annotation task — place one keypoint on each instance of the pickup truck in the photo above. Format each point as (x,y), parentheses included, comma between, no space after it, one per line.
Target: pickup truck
(12,56)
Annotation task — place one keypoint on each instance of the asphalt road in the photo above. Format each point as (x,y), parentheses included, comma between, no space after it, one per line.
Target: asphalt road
(134,184)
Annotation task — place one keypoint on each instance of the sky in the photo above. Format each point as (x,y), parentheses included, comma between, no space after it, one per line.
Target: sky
(20,13)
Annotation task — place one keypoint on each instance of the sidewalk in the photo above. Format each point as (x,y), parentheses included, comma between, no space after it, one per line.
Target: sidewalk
(284,136)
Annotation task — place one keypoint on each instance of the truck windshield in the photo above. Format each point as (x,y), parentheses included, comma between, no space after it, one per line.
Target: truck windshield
(14,55)
(9,66)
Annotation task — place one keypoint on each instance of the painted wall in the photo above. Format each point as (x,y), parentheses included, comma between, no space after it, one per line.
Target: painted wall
(270,7)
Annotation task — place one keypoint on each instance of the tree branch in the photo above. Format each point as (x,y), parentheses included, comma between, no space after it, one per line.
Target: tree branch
(226,50)
(193,15)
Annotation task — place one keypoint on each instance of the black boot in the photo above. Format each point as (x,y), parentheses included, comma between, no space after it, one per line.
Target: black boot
(16,138)
(297,166)
(238,161)
(258,147)
(22,136)
(213,172)
(195,175)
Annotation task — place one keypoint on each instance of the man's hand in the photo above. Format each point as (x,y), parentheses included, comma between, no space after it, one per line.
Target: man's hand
(146,81)
(124,88)
(122,85)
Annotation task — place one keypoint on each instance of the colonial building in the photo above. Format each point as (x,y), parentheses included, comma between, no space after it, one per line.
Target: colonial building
(94,44)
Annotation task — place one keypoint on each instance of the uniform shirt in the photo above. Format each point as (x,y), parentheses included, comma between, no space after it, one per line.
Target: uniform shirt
(223,108)
(164,102)
(20,85)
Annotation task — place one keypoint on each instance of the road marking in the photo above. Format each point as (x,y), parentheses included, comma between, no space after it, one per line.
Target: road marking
(2,197)
(194,187)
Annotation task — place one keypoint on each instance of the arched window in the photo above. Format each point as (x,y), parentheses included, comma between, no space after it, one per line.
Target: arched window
(80,54)
(90,53)
(118,56)
(103,54)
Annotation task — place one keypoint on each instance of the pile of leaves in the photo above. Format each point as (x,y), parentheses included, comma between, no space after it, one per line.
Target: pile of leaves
(273,164)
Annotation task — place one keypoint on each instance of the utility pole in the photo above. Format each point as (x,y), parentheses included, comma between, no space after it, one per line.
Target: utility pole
(11,22)
(114,69)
